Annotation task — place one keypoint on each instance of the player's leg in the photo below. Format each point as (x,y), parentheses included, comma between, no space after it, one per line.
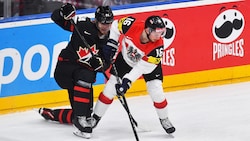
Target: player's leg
(63,77)
(106,96)
(82,101)
(58,115)
(104,100)
(155,90)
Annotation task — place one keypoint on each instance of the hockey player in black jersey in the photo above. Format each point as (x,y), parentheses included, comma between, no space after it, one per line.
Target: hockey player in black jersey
(76,68)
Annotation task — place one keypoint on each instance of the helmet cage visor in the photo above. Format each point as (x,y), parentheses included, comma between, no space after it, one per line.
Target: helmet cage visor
(108,19)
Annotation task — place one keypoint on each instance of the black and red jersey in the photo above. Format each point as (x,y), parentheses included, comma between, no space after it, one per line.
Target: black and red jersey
(76,49)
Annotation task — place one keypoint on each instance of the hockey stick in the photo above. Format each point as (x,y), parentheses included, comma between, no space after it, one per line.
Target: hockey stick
(123,102)
(125,105)
(86,44)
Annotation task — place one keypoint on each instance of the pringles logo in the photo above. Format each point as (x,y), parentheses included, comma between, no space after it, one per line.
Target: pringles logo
(168,58)
(227,28)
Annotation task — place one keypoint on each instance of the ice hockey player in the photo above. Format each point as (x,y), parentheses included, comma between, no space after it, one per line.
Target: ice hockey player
(141,53)
(76,68)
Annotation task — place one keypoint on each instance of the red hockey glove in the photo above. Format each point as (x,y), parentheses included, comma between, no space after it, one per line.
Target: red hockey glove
(121,89)
(68,11)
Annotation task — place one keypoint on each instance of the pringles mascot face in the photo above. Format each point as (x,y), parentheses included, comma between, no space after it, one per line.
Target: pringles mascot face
(228,25)
(170,32)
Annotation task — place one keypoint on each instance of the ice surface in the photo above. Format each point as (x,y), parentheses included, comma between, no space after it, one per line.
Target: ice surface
(218,113)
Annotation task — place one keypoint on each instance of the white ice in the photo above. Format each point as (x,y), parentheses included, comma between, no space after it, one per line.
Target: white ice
(217,113)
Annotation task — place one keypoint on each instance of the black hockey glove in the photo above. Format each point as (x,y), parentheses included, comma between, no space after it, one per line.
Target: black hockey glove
(121,89)
(96,63)
(68,11)
(110,50)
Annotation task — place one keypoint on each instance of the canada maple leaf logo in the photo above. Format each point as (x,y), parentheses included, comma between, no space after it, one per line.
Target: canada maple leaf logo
(84,53)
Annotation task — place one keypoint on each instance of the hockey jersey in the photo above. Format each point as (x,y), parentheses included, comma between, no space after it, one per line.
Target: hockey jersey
(76,49)
(142,57)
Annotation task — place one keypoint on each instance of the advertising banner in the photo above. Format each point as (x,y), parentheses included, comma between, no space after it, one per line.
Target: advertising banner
(28,57)
(208,37)
(205,37)
(200,36)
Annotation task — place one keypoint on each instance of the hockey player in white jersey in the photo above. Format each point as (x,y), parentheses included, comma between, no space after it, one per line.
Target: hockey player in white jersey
(141,52)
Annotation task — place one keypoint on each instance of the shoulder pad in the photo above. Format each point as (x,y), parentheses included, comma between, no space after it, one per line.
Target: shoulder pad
(155,55)
(125,23)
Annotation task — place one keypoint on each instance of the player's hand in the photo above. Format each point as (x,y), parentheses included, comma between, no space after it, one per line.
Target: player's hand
(68,11)
(96,63)
(110,50)
(121,89)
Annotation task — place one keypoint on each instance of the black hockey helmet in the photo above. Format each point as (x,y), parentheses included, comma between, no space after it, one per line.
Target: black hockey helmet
(104,15)
(154,22)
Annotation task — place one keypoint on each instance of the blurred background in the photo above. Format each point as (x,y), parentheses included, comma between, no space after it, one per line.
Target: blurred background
(13,8)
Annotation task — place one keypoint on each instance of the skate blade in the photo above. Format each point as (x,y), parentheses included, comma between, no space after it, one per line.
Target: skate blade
(78,133)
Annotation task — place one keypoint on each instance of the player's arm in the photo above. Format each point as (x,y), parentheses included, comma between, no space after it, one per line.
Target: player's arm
(63,16)
(111,47)
(145,66)
(118,28)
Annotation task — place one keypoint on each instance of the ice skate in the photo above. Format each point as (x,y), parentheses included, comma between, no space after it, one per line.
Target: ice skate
(167,125)
(46,113)
(94,120)
(79,133)
(83,127)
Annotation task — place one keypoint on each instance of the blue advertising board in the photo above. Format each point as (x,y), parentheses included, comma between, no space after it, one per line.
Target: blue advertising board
(28,52)
(28,56)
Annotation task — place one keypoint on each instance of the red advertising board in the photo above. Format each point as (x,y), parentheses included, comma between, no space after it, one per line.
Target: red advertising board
(205,37)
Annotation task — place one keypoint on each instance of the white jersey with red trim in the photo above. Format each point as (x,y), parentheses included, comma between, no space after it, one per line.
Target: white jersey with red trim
(142,57)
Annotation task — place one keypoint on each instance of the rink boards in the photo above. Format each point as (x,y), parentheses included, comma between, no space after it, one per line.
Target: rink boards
(206,44)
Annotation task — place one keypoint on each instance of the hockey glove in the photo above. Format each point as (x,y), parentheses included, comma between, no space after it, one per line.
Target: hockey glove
(110,50)
(121,89)
(96,63)
(68,11)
